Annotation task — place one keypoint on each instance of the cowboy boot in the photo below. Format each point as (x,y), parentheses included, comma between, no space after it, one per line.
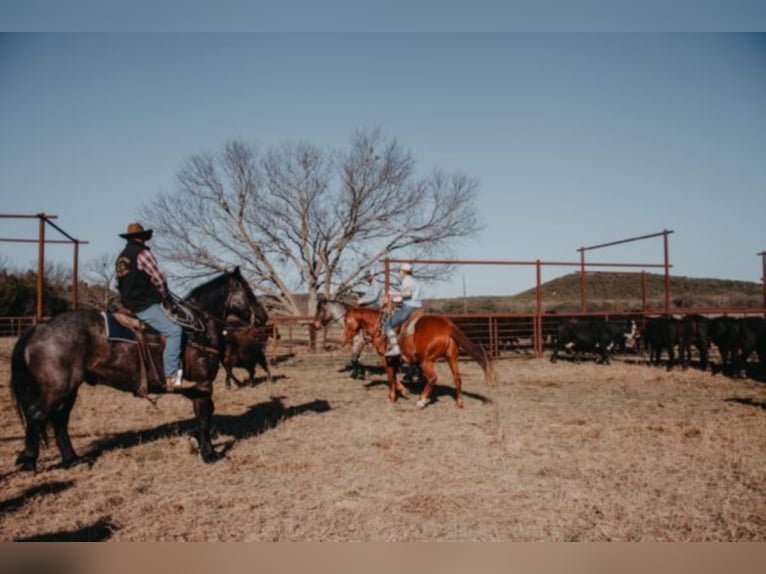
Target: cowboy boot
(393,344)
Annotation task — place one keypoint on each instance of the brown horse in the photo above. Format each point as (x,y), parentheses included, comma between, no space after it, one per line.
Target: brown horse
(51,361)
(423,341)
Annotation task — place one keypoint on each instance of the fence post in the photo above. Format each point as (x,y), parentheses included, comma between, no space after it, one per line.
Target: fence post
(40,268)
(538,324)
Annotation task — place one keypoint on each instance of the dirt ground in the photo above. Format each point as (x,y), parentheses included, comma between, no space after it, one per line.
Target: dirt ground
(550,452)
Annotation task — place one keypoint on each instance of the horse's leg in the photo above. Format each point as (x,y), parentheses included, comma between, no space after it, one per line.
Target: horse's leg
(35,426)
(393,384)
(60,422)
(427,366)
(203,410)
(260,358)
(356,352)
(230,375)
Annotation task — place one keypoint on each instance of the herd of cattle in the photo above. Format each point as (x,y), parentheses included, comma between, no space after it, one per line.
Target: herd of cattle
(660,340)
(735,338)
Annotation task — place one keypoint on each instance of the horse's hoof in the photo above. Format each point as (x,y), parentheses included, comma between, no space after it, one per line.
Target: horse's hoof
(77,461)
(26,464)
(421,404)
(211,457)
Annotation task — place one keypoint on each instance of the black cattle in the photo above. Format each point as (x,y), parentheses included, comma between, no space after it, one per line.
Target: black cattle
(752,338)
(588,336)
(725,334)
(624,333)
(244,348)
(662,333)
(694,332)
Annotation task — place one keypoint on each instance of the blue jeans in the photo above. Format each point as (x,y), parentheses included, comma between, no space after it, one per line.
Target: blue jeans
(398,317)
(156,317)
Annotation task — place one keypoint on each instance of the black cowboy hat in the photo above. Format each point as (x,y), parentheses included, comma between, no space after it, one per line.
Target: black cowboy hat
(137,231)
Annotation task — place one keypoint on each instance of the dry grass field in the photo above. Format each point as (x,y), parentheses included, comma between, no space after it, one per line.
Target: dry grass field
(564,452)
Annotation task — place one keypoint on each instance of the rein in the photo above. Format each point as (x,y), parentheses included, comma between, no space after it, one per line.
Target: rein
(184,314)
(204,348)
(190,319)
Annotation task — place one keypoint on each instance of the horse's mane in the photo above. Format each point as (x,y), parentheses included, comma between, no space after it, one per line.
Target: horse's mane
(209,294)
(366,314)
(207,291)
(364,311)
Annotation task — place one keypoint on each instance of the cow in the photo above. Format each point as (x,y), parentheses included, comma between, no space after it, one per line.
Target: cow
(662,333)
(625,334)
(244,348)
(694,331)
(589,336)
(752,338)
(725,334)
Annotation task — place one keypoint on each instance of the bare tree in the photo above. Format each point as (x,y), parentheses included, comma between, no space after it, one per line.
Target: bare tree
(98,292)
(297,218)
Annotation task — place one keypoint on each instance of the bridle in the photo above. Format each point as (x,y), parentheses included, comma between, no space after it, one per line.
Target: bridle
(337,311)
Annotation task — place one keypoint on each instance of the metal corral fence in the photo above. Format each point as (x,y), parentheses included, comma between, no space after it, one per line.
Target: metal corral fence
(15,326)
(503,335)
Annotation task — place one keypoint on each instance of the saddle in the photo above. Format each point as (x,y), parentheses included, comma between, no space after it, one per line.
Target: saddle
(124,327)
(407,329)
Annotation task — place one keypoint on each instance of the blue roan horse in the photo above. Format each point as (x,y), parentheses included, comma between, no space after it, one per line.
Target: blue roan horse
(51,361)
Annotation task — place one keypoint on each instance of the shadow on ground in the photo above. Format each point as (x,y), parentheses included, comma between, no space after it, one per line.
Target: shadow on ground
(257,419)
(16,502)
(99,531)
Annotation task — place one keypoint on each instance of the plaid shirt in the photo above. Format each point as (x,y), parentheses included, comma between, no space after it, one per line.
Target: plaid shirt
(148,264)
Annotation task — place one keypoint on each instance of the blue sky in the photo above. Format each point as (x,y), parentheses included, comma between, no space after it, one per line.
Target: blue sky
(577,138)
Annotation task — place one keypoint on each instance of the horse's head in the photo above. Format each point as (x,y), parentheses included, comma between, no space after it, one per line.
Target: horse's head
(329,311)
(229,297)
(242,302)
(322,317)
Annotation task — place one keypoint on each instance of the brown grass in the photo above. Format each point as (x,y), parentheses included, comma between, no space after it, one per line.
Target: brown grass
(563,452)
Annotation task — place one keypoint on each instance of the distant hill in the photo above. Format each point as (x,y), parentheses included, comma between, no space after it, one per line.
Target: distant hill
(613,291)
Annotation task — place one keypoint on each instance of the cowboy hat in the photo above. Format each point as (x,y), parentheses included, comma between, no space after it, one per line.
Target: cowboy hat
(137,231)
(405,267)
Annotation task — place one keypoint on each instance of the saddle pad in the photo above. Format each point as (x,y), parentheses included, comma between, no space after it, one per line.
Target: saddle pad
(116,331)
(409,328)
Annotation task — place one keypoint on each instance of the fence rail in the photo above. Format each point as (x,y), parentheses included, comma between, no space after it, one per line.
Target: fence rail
(15,326)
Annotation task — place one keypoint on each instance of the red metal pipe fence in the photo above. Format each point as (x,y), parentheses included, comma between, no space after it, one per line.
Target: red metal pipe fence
(46,219)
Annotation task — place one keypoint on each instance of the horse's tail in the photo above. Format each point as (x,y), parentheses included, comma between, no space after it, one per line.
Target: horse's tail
(476,352)
(24,386)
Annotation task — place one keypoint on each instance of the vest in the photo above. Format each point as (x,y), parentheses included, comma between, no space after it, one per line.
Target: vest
(137,291)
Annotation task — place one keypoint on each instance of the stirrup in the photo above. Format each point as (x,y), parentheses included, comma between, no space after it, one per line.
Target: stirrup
(174,383)
(394,351)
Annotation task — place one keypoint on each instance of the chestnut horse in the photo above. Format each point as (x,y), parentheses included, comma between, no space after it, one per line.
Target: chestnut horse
(51,361)
(433,337)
